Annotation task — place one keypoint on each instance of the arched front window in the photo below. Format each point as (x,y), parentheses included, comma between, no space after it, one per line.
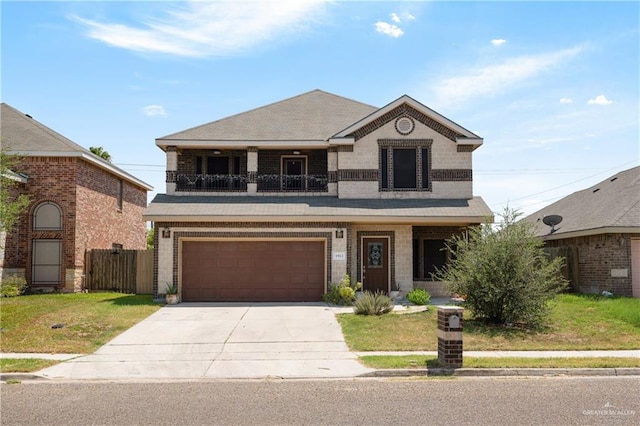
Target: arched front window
(47,217)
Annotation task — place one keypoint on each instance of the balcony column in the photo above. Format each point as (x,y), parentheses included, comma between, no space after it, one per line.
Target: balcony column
(252,170)
(172,169)
(332,170)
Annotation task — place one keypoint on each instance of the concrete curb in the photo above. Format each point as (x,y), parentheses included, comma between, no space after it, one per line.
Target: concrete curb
(4,377)
(504,372)
(439,372)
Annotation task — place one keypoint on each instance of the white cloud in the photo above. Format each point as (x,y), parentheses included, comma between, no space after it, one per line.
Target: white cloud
(154,111)
(498,41)
(395,18)
(389,29)
(496,78)
(566,100)
(200,29)
(599,100)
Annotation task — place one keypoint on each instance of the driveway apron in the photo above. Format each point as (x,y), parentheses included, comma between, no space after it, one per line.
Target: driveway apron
(223,340)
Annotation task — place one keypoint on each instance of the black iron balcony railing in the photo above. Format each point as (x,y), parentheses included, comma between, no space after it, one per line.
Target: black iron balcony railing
(212,183)
(238,183)
(291,183)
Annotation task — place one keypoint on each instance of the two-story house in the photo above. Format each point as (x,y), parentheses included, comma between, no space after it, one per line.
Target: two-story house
(275,203)
(78,202)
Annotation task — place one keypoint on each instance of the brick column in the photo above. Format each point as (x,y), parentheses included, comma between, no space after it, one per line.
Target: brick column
(252,170)
(172,169)
(450,336)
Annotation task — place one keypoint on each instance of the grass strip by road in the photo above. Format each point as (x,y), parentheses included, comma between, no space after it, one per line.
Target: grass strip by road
(69,323)
(422,361)
(24,365)
(576,322)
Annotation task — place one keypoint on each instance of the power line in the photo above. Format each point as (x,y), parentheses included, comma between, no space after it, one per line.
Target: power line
(141,165)
(566,184)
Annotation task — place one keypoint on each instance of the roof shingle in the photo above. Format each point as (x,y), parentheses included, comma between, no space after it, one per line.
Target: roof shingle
(315,115)
(208,208)
(612,203)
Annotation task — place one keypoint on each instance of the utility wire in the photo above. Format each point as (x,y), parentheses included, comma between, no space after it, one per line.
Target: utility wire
(566,184)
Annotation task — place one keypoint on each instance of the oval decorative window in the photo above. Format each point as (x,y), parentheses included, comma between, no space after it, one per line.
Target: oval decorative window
(405,125)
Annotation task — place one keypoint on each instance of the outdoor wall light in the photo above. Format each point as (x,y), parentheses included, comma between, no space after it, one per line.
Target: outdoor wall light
(166,232)
(296,152)
(216,152)
(339,233)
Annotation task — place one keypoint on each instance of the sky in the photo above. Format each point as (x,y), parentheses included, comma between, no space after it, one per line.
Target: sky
(551,87)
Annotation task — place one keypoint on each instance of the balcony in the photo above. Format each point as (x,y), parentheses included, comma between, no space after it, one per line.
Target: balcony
(211,183)
(291,183)
(238,183)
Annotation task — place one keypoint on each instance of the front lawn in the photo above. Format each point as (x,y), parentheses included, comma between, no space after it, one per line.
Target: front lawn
(577,322)
(420,361)
(24,365)
(86,321)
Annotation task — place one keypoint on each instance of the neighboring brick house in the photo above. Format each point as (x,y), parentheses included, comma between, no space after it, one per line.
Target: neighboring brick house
(602,224)
(274,203)
(78,202)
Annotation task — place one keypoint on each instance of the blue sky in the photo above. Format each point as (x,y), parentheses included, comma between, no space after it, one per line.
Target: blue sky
(552,87)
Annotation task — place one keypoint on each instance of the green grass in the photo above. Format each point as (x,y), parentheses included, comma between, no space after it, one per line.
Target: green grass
(576,322)
(90,320)
(24,365)
(417,361)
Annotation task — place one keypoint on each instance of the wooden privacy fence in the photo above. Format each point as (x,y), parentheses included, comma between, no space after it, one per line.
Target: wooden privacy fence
(124,271)
(570,268)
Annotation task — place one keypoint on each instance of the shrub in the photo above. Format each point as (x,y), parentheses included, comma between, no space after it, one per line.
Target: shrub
(12,286)
(343,293)
(419,296)
(373,304)
(503,272)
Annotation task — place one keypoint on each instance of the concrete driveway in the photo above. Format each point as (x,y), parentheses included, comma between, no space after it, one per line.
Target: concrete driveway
(222,340)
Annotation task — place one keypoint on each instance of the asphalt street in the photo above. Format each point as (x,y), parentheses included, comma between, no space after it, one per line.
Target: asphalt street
(468,401)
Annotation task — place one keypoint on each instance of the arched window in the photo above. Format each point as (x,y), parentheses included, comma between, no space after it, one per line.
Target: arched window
(47,217)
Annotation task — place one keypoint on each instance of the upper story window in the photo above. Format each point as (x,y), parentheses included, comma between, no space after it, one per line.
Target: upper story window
(119,195)
(47,217)
(405,165)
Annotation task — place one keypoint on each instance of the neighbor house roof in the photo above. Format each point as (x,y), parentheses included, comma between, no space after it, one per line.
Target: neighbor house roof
(611,206)
(180,208)
(23,135)
(310,117)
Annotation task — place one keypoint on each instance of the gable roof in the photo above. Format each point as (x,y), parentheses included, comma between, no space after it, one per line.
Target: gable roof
(612,205)
(23,135)
(311,116)
(406,105)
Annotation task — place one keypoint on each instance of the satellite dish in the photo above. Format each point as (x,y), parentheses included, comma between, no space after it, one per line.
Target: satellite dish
(552,220)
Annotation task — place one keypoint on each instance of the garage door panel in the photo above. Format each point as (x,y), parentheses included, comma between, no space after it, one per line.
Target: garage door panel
(248,271)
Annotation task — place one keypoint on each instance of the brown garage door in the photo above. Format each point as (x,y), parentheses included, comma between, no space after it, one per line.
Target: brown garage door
(253,271)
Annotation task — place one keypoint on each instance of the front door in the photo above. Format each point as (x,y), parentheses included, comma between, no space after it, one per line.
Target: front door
(375,264)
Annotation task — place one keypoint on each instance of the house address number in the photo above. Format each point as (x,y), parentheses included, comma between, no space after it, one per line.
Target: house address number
(339,255)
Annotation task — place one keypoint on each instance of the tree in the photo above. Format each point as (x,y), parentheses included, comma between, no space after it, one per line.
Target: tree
(100,152)
(151,238)
(503,272)
(12,204)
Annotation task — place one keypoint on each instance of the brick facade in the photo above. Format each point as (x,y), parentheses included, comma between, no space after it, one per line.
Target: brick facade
(87,197)
(352,166)
(604,262)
